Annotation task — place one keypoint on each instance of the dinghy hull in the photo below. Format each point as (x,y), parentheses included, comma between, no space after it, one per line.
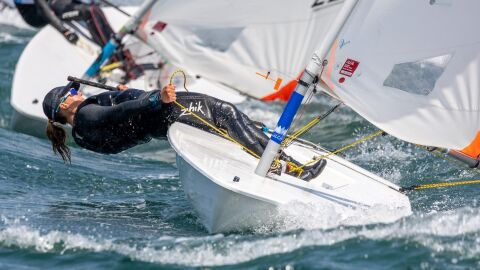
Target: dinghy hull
(219,180)
(219,208)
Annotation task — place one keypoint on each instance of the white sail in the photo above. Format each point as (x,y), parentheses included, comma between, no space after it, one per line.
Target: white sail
(231,41)
(412,68)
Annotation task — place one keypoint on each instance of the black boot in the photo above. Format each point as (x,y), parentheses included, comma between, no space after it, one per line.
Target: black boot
(276,168)
(310,172)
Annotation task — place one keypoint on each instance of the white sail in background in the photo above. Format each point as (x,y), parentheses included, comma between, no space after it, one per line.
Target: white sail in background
(230,41)
(412,68)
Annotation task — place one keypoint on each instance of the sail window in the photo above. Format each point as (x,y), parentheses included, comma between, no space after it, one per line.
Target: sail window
(417,77)
(218,39)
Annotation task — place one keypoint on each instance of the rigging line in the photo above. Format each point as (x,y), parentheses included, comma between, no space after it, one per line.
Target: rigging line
(299,116)
(184,78)
(454,162)
(222,132)
(364,139)
(108,3)
(434,152)
(111,66)
(309,126)
(226,136)
(439,185)
(309,98)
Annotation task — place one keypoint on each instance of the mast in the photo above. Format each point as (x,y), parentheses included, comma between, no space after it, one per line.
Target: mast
(113,43)
(307,79)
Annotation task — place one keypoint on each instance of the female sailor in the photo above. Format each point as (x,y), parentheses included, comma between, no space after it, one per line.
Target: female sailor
(114,121)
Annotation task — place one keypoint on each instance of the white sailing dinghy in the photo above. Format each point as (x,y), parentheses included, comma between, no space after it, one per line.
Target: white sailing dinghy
(410,67)
(218,178)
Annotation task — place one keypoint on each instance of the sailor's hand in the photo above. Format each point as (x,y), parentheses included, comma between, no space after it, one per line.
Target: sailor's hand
(168,94)
(71,37)
(122,87)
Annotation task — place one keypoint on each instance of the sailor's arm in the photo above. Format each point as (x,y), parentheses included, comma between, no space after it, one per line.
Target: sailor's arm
(131,102)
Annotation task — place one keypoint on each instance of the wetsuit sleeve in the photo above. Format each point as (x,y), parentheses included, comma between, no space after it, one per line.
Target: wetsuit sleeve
(128,104)
(50,15)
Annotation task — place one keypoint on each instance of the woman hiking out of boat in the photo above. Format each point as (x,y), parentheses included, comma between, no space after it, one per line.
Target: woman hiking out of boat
(114,121)
(39,13)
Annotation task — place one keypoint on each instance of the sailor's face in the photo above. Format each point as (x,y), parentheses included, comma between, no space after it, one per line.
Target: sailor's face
(72,102)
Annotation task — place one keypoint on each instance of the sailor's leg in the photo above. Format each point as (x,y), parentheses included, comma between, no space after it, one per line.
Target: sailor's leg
(242,129)
(256,131)
(225,115)
(92,15)
(290,165)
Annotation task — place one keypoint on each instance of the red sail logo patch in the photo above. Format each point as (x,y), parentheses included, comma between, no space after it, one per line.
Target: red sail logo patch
(349,67)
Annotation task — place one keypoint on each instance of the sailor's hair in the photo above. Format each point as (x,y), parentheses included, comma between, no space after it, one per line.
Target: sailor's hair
(58,136)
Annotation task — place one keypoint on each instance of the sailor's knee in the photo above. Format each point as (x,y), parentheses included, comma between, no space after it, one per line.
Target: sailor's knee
(230,110)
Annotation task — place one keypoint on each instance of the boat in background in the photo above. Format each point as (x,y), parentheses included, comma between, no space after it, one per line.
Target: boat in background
(259,48)
(49,59)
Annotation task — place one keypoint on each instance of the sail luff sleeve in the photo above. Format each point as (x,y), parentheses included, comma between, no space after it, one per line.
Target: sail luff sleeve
(303,85)
(315,64)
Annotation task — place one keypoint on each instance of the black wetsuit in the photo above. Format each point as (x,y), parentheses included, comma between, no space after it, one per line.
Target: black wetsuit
(38,13)
(112,122)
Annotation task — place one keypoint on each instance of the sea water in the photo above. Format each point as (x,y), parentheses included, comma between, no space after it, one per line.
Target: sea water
(128,211)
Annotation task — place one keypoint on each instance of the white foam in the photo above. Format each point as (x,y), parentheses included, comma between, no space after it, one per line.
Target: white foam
(10,16)
(429,231)
(8,38)
(298,215)
(25,237)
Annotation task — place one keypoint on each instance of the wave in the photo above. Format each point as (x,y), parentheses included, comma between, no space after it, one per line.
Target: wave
(10,16)
(441,232)
(9,38)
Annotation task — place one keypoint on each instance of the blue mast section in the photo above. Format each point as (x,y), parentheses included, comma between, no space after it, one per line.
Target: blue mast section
(106,53)
(109,49)
(284,123)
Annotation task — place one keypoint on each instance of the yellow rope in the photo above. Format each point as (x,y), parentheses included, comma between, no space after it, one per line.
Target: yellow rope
(364,139)
(295,168)
(221,132)
(224,134)
(449,184)
(300,131)
(184,78)
(111,66)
